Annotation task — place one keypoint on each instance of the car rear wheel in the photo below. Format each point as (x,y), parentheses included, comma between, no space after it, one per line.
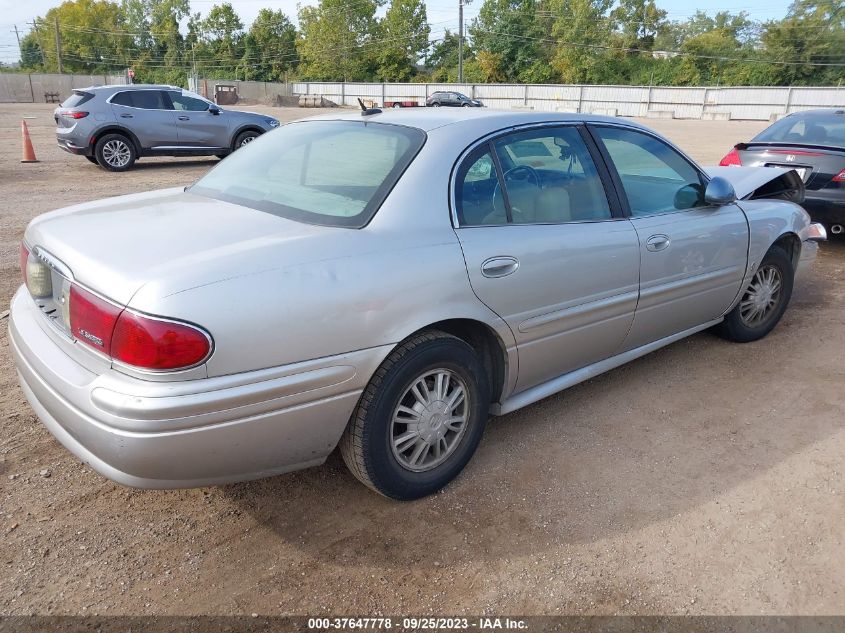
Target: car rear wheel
(435,105)
(763,302)
(397,105)
(115,152)
(420,419)
(245,138)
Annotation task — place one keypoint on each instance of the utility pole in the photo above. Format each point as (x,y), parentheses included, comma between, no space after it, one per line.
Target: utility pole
(58,45)
(461,4)
(17,35)
(40,45)
(460,41)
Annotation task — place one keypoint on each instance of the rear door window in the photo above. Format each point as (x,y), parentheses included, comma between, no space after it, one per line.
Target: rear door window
(123,99)
(143,99)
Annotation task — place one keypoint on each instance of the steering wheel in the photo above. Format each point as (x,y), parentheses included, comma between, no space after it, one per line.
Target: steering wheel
(511,175)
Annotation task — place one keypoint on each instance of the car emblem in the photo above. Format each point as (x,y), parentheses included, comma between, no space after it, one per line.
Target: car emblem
(790,158)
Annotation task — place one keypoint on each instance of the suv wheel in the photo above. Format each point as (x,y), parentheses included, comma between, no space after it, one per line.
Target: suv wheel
(245,138)
(115,152)
(91,159)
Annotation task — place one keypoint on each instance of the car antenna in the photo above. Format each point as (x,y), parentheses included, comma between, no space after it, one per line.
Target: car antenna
(365,111)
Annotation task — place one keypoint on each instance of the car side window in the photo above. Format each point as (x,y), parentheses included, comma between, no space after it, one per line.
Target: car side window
(150,100)
(122,98)
(185,103)
(656,178)
(549,178)
(476,184)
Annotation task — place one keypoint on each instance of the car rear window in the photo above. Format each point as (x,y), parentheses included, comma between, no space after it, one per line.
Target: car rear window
(814,129)
(77,99)
(334,173)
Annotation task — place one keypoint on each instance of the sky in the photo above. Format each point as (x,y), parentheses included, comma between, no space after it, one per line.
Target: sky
(442,14)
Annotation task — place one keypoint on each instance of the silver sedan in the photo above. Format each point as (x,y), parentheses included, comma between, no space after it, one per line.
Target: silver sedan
(383,283)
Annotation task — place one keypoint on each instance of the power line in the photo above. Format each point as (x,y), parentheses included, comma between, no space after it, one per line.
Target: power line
(623,49)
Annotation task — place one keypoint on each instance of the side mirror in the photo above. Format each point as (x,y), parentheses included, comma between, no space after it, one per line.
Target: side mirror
(214,110)
(719,192)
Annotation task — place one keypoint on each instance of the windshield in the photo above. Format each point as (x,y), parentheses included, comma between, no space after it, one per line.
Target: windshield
(335,173)
(825,129)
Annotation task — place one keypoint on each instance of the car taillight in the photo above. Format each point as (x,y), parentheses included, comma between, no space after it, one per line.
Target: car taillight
(156,344)
(731,159)
(840,177)
(74,114)
(92,319)
(24,257)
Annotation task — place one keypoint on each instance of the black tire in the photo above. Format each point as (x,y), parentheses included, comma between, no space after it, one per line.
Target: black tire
(397,105)
(736,326)
(435,105)
(466,105)
(91,159)
(115,152)
(366,445)
(220,156)
(244,138)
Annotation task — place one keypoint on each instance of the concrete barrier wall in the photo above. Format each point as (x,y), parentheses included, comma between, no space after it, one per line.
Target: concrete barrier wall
(746,102)
(248,91)
(30,88)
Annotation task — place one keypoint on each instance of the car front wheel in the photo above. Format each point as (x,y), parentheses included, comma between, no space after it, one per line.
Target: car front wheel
(245,138)
(115,152)
(420,419)
(763,302)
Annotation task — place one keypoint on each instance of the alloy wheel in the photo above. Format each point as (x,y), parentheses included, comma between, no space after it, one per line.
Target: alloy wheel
(430,420)
(116,153)
(762,296)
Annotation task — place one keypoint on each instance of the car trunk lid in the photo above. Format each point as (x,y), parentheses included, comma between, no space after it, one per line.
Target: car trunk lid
(177,239)
(815,164)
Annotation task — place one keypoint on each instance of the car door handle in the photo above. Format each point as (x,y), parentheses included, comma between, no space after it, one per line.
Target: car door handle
(125,116)
(657,243)
(184,118)
(499,266)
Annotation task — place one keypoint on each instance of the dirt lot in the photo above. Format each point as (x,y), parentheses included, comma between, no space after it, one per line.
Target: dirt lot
(704,478)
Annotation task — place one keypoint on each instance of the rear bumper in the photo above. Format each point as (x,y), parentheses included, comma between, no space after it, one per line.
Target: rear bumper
(827,208)
(187,433)
(69,146)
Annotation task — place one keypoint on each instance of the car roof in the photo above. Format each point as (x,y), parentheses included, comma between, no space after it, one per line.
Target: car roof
(817,112)
(428,119)
(117,87)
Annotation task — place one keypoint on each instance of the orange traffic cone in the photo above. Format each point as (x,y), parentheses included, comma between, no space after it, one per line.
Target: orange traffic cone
(28,152)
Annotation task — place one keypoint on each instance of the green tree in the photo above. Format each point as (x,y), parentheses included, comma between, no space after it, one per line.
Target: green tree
(270,47)
(336,40)
(92,35)
(583,35)
(813,32)
(403,39)
(639,21)
(509,36)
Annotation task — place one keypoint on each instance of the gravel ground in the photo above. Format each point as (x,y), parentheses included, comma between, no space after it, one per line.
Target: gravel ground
(704,478)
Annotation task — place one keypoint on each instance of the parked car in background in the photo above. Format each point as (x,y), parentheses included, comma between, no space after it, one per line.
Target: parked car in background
(383,283)
(451,99)
(113,126)
(812,143)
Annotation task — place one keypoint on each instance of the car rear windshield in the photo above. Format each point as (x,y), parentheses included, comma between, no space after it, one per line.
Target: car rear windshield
(825,129)
(77,99)
(334,173)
